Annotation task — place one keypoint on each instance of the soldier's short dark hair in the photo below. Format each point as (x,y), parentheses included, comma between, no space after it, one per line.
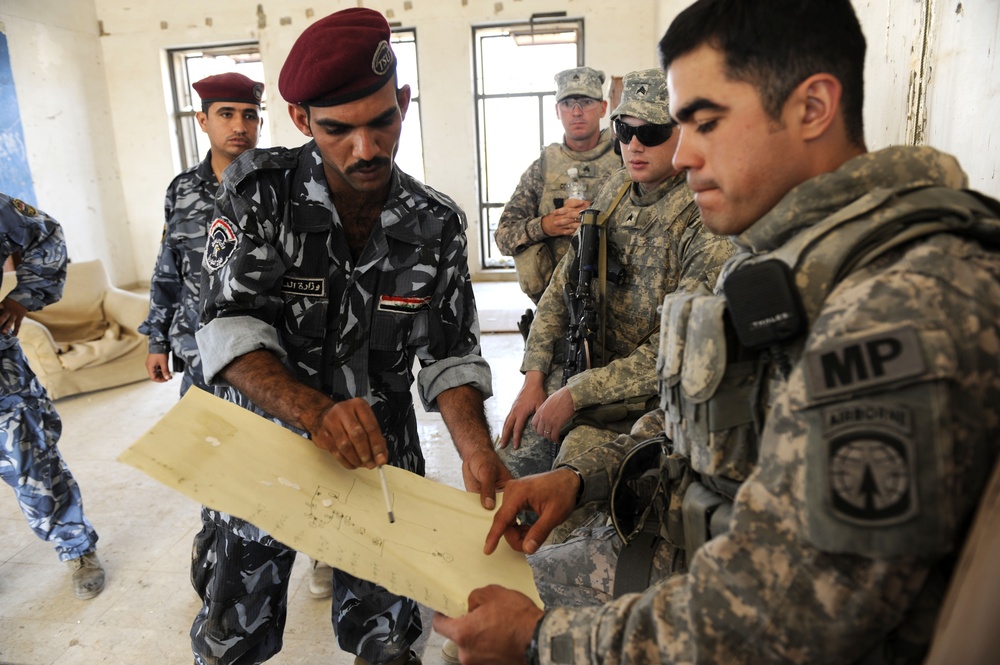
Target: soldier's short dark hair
(774,45)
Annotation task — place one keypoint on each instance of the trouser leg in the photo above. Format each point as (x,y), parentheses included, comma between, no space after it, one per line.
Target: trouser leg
(370,622)
(581,571)
(46,491)
(243,586)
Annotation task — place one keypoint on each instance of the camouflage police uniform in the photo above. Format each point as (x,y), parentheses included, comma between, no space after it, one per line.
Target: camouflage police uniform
(30,462)
(280,276)
(173,290)
(880,427)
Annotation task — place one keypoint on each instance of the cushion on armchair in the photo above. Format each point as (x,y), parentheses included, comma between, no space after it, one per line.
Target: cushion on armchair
(88,340)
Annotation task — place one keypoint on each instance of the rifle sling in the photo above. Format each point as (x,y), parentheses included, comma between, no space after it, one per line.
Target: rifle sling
(602,263)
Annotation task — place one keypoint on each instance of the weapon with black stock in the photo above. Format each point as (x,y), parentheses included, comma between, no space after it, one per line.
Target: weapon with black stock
(580,298)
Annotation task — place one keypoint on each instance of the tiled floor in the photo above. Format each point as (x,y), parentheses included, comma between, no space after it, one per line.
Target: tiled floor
(145,611)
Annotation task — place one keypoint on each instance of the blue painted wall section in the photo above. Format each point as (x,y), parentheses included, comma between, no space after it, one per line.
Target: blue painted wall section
(15,174)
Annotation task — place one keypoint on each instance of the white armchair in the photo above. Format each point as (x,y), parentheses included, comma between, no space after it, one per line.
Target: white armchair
(89,339)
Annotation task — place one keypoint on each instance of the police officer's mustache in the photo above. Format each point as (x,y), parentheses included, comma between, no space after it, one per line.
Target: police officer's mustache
(368,163)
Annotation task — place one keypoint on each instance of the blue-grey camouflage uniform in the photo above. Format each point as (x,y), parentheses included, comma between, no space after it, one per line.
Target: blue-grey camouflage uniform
(279,275)
(174,287)
(865,474)
(30,461)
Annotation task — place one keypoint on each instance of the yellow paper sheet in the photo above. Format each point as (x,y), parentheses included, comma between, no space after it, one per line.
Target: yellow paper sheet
(232,460)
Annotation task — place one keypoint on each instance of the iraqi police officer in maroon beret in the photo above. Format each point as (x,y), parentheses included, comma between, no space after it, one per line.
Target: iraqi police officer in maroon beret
(230,116)
(328,272)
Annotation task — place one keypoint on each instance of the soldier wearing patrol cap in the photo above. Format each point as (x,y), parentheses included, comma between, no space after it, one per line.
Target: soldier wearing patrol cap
(328,272)
(542,214)
(831,412)
(655,243)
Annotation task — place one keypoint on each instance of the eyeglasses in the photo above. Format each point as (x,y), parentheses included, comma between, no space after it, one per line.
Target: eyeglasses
(648,135)
(583,103)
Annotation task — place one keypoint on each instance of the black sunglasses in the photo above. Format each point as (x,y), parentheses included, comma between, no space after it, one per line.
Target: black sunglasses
(648,135)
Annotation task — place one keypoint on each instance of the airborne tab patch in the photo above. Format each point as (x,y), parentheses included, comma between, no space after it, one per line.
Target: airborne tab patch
(870,456)
(221,243)
(403,304)
(861,363)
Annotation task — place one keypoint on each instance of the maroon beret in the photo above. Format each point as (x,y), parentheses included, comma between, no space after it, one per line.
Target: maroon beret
(338,59)
(229,87)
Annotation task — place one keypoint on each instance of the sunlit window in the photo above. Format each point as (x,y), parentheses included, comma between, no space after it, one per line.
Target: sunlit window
(410,156)
(515,108)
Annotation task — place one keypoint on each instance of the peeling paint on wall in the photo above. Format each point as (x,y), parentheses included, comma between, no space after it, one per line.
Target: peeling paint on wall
(310,13)
(208,21)
(164,25)
(497,7)
(285,20)
(920,74)
(390,14)
(407,6)
(261,17)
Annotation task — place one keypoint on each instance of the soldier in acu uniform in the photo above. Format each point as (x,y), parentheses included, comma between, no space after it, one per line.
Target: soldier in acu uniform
(832,411)
(230,116)
(29,425)
(328,272)
(541,216)
(657,243)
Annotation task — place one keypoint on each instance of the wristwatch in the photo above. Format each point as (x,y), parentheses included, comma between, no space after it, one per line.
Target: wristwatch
(531,655)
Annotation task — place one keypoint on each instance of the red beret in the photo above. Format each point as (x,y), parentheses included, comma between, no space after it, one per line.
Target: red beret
(230,87)
(338,59)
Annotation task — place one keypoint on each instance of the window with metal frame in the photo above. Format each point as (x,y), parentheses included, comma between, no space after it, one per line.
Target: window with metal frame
(515,107)
(410,156)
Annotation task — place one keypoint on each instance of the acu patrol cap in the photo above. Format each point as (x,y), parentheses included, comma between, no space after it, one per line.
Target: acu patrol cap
(582,81)
(338,59)
(644,96)
(229,87)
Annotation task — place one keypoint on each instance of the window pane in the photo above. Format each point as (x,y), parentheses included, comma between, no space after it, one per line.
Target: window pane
(493,258)
(552,129)
(511,141)
(410,156)
(404,45)
(515,105)
(507,67)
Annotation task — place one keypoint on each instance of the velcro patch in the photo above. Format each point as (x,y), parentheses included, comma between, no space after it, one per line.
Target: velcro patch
(221,243)
(862,363)
(403,304)
(304,286)
(870,457)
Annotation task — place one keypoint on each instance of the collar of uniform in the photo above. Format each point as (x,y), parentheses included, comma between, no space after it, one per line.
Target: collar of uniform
(819,197)
(399,214)
(604,144)
(204,170)
(638,198)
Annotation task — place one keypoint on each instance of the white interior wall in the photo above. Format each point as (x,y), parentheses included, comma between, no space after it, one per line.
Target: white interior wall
(101,161)
(58,72)
(138,35)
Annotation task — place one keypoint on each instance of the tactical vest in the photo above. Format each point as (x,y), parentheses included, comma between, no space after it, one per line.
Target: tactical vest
(536,264)
(714,393)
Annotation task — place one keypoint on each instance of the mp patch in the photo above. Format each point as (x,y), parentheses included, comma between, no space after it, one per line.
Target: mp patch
(853,365)
(403,304)
(221,243)
(869,460)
